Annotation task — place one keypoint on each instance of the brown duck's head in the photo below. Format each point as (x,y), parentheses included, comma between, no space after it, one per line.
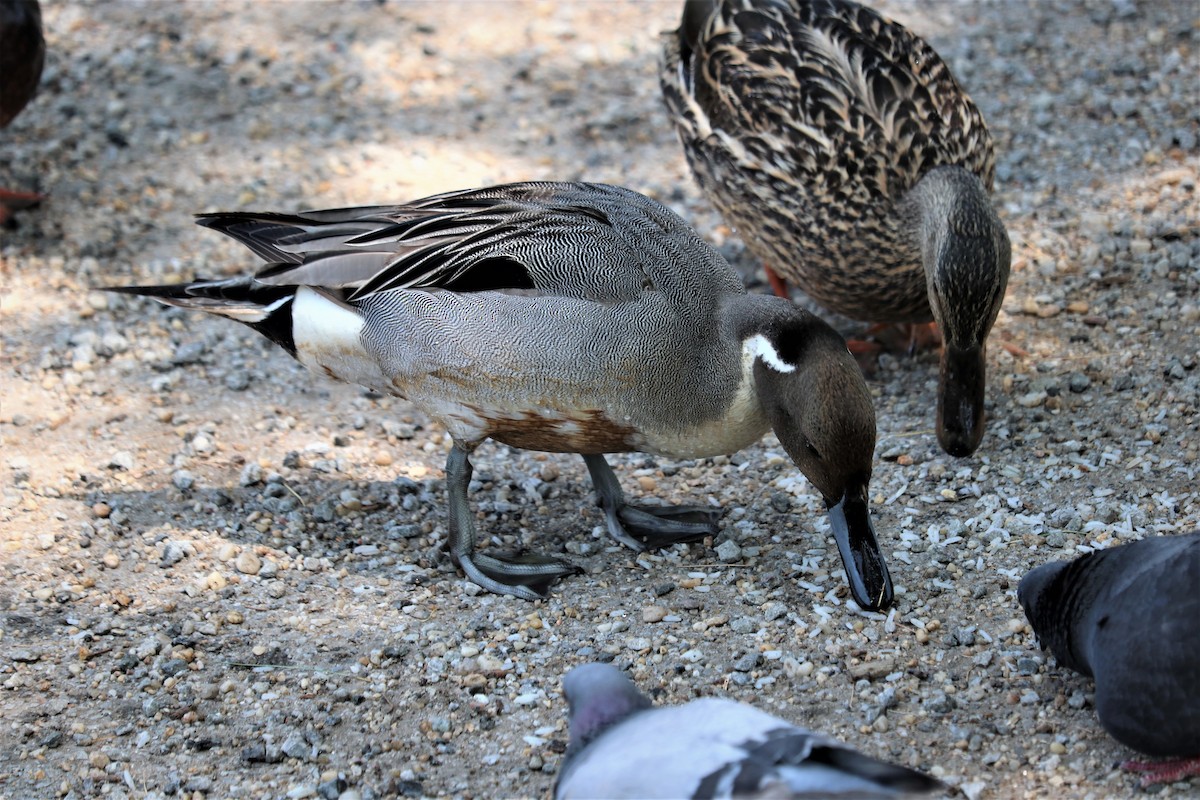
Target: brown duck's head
(967,257)
(1049,602)
(821,410)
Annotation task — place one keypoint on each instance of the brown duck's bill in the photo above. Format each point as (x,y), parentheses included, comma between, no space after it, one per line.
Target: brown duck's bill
(960,400)
(866,570)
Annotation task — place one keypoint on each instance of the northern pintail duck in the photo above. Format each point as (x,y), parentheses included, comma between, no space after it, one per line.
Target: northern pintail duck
(623,746)
(844,152)
(22,55)
(1129,617)
(563,317)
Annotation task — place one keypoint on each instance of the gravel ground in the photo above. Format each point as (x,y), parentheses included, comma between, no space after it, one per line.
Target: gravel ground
(222,575)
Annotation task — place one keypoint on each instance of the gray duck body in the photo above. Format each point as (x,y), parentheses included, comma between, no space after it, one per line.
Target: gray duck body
(1129,617)
(563,317)
(616,279)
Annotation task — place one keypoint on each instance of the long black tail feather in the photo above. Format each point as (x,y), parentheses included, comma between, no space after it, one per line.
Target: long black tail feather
(263,307)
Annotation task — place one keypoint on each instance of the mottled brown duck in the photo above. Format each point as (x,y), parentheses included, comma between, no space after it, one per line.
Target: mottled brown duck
(842,150)
(22,54)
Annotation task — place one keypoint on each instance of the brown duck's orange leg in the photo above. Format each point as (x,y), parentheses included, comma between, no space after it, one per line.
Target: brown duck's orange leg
(894,338)
(899,338)
(863,346)
(778,285)
(923,336)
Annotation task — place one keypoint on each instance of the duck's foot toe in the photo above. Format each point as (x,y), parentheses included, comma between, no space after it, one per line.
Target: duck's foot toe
(646,527)
(528,576)
(1154,772)
(654,527)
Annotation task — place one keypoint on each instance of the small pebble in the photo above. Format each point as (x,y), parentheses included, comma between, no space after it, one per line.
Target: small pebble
(729,552)
(248,563)
(653,613)
(183,480)
(122,460)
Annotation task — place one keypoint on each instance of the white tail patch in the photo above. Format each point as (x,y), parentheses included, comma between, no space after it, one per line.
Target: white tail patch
(760,346)
(328,337)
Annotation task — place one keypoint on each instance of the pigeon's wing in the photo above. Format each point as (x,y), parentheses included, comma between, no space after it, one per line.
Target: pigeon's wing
(1129,616)
(1143,633)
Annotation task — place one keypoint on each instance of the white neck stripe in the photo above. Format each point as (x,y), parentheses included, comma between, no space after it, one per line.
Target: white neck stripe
(760,346)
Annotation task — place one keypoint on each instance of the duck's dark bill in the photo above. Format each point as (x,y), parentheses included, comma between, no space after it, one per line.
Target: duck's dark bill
(866,570)
(960,404)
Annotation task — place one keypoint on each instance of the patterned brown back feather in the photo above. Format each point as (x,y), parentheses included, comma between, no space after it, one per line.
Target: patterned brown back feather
(806,123)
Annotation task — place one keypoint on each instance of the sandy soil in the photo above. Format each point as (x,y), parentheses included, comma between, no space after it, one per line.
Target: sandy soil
(222,576)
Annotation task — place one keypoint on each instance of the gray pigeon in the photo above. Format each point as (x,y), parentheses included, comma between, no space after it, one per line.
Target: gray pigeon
(1129,617)
(622,747)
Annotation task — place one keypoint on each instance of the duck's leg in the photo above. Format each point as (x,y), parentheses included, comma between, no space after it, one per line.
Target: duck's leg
(528,577)
(778,285)
(923,336)
(900,337)
(642,527)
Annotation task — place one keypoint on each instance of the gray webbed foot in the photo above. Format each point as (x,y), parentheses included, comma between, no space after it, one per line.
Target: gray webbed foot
(528,576)
(641,527)
(654,527)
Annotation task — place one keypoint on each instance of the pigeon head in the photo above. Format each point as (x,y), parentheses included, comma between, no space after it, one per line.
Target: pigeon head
(598,697)
(1054,596)
(1037,591)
